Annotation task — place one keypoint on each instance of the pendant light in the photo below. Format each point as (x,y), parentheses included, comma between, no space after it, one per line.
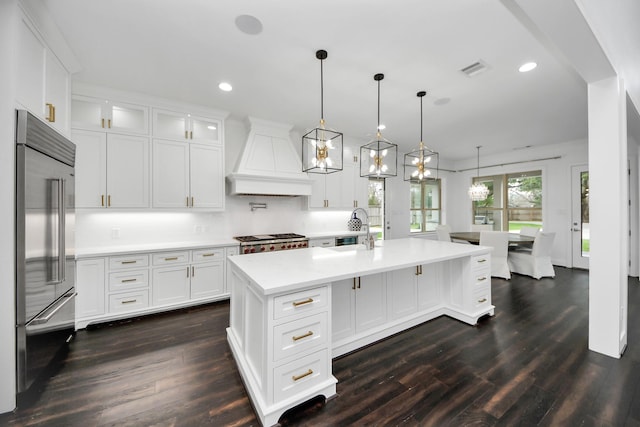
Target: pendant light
(478,191)
(421,163)
(322,147)
(378,158)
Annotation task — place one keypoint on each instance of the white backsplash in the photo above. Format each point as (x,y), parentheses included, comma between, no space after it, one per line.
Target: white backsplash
(99,228)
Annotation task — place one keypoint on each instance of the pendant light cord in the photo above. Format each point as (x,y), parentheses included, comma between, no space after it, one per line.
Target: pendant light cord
(478,164)
(421,140)
(378,127)
(321,92)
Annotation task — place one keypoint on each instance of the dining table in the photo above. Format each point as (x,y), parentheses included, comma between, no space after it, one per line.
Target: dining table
(473,237)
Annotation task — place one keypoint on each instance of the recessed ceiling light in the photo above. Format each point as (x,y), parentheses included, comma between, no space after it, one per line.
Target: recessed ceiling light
(249,24)
(211,127)
(527,67)
(225,86)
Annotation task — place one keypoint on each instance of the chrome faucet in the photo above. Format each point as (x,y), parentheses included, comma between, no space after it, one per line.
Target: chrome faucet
(369,242)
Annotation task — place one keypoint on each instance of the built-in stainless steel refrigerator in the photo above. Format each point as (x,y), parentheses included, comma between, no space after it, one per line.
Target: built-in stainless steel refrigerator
(45,256)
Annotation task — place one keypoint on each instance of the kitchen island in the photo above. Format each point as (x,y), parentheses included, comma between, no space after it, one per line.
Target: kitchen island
(292,312)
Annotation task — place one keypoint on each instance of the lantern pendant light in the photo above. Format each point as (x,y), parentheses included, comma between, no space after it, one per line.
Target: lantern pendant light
(420,163)
(322,147)
(378,158)
(478,191)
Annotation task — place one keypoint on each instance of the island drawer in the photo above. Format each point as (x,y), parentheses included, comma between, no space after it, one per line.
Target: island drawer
(168,258)
(300,335)
(482,297)
(124,280)
(299,375)
(481,277)
(305,301)
(480,261)
(207,255)
(130,261)
(128,301)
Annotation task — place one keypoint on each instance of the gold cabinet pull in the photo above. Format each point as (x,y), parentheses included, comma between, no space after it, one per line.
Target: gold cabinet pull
(187,201)
(102,200)
(482,300)
(51,117)
(186,134)
(358,282)
(129,301)
(191,135)
(128,280)
(109,123)
(301,376)
(417,270)
(129,262)
(299,337)
(102,123)
(171,258)
(209,254)
(303,302)
(192,201)
(109,200)
(482,279)
(187,271)
(354,284)
(420,267)
(193,271)
(482,260)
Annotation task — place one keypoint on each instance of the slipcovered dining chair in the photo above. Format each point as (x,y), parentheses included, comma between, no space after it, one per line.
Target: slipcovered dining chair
(443,231)
(499,241)
(536,263)
(481,227)
(527,230)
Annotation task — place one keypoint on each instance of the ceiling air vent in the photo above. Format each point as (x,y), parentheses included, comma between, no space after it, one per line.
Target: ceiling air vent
(475,69)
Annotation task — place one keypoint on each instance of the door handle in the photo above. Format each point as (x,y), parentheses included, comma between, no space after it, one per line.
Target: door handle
(575,229)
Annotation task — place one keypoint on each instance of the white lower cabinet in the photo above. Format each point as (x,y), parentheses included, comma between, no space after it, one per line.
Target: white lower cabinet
(359,304)
(125,285)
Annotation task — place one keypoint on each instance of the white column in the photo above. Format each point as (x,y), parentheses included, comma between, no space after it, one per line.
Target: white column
(8,20)
(608,217)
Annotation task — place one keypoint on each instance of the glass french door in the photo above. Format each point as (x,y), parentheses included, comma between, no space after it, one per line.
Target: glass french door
(580,242)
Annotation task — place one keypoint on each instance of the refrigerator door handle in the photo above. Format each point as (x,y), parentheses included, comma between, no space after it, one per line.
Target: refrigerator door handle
(41,320)
(62,230)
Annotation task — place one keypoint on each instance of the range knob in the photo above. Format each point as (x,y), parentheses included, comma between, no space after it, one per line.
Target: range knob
(271,248)
(253,250)
(247,250)
(262,248)
(283,247)
(304,244)
(288,246)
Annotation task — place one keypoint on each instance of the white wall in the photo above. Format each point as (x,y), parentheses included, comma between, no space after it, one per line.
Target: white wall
(8,19)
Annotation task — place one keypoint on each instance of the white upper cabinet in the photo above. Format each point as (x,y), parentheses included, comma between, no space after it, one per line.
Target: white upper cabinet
(108,115)
(112,171)
(185,126)
(187,175)
(42,85)
(339,190)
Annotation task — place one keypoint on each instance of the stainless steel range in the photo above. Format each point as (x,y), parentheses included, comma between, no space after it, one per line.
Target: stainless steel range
(271,242)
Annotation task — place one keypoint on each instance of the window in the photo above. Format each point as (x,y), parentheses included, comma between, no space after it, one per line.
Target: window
(425,205)
(523,195)
(376,207)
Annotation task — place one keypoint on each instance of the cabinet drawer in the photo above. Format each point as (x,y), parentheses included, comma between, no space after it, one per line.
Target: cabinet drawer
(293,337)
(322,243)
(207,255)
(128,301)
(481,277)
(481,297)
(299,302)
(132,279)
(299,375)
(233,250)
(131,261)
(480,261)
(168,258)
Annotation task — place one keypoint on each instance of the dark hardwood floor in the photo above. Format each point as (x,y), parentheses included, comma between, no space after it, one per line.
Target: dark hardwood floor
(527,365)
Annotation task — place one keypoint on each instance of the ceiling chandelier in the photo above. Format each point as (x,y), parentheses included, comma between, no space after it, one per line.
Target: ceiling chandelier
(417,162)
(478,191)
(322,147)
(378,158)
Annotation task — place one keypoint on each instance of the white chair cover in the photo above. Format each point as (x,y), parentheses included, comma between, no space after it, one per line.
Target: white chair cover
(529,231)
(481,227)
(499,241)
(443,231)
(537,263)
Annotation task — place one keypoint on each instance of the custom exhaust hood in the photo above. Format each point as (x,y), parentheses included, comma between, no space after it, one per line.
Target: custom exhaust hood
(269,164)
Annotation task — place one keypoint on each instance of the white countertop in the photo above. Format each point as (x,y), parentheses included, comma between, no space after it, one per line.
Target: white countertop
(150,247)
(286,271)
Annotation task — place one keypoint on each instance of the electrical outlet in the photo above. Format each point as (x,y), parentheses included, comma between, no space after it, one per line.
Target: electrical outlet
(197,229)
(115,233)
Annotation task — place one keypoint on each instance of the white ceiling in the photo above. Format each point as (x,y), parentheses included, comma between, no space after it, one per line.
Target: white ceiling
(183,49)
